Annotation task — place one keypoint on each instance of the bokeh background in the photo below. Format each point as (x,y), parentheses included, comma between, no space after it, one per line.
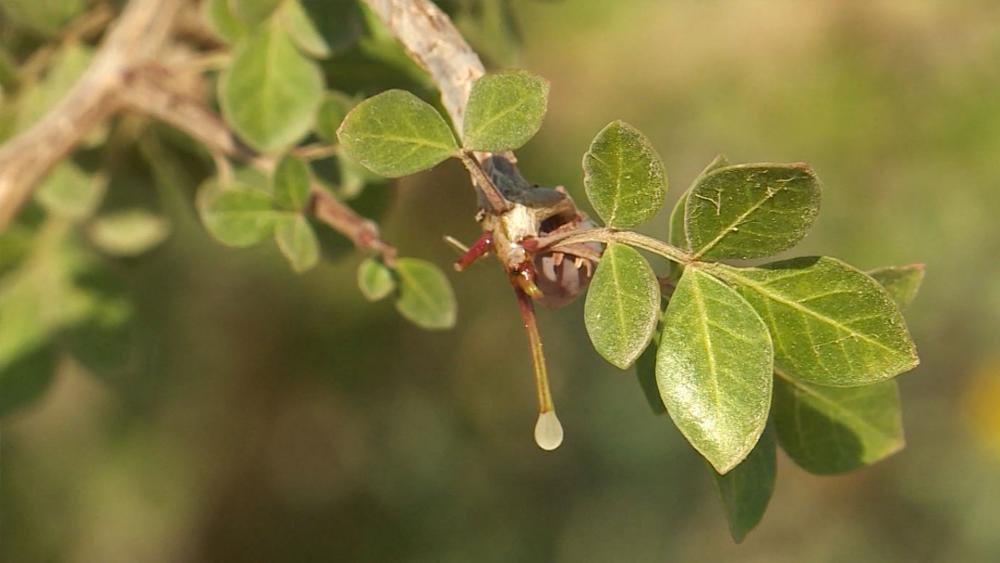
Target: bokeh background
(283,418)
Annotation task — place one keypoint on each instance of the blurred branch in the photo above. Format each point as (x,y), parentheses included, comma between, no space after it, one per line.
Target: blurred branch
(151,90)
(137,35)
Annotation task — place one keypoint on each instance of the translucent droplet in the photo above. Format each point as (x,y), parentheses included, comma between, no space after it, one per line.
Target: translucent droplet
(548,431)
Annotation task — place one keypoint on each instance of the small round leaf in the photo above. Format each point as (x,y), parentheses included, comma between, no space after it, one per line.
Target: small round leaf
(624,177)
(504,111)
(425,295)
(395,134)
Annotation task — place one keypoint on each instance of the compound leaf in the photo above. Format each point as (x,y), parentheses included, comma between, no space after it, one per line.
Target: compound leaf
(714,368)
(270,92)
(750,210)
(396,133)
(747,489)
(425,296)
(504,111)
(624,177)
(831,324)
(623,305)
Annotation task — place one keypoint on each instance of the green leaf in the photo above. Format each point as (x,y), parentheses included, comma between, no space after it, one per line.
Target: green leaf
(828,430)
(375,279)
(333,110)
(26,378)
(253,12)
(623,305)
(128,233)
(751,210)
(396,133)
(297,241)
(624,177)
(69,192)
(221,19)
(902,282)
(747,489)
(831,324)
(237,216)
(425,296)
(645,372)
(270,92)
(322,27)
(713,368)
(47,18)
(504,111)
(678,236)
(291,184)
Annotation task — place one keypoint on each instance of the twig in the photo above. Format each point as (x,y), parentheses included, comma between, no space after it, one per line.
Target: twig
(607,235)
(149,90)
(432,41)
(138,34)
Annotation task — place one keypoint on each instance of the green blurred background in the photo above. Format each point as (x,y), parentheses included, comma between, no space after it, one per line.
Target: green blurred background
(282,418)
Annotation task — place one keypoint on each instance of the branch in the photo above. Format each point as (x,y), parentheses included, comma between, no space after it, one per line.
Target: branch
(150,90)
(432,41)
(137,36)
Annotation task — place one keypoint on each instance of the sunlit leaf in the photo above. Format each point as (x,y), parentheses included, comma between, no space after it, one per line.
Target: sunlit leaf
(624,177)
(129,232)
(714,368)
(623,305)
(834,430)
(291,184)
(747,489)
(297,241)
(270,92)
(238,216)
(396,133)
(751,210)
(425,295)
(504,111)
(831,324)
(375,279)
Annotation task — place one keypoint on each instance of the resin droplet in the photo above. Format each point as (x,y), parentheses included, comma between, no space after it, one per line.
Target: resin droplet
(548,431)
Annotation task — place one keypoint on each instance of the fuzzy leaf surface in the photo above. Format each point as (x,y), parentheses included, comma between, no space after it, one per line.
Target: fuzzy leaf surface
(831,324)
(504,111)
(714,368)
(624,177)
(395,134)
(623,305)
(750,211)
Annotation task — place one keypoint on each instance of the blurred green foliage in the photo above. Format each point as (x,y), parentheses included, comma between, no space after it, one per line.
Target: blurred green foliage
(274,417)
